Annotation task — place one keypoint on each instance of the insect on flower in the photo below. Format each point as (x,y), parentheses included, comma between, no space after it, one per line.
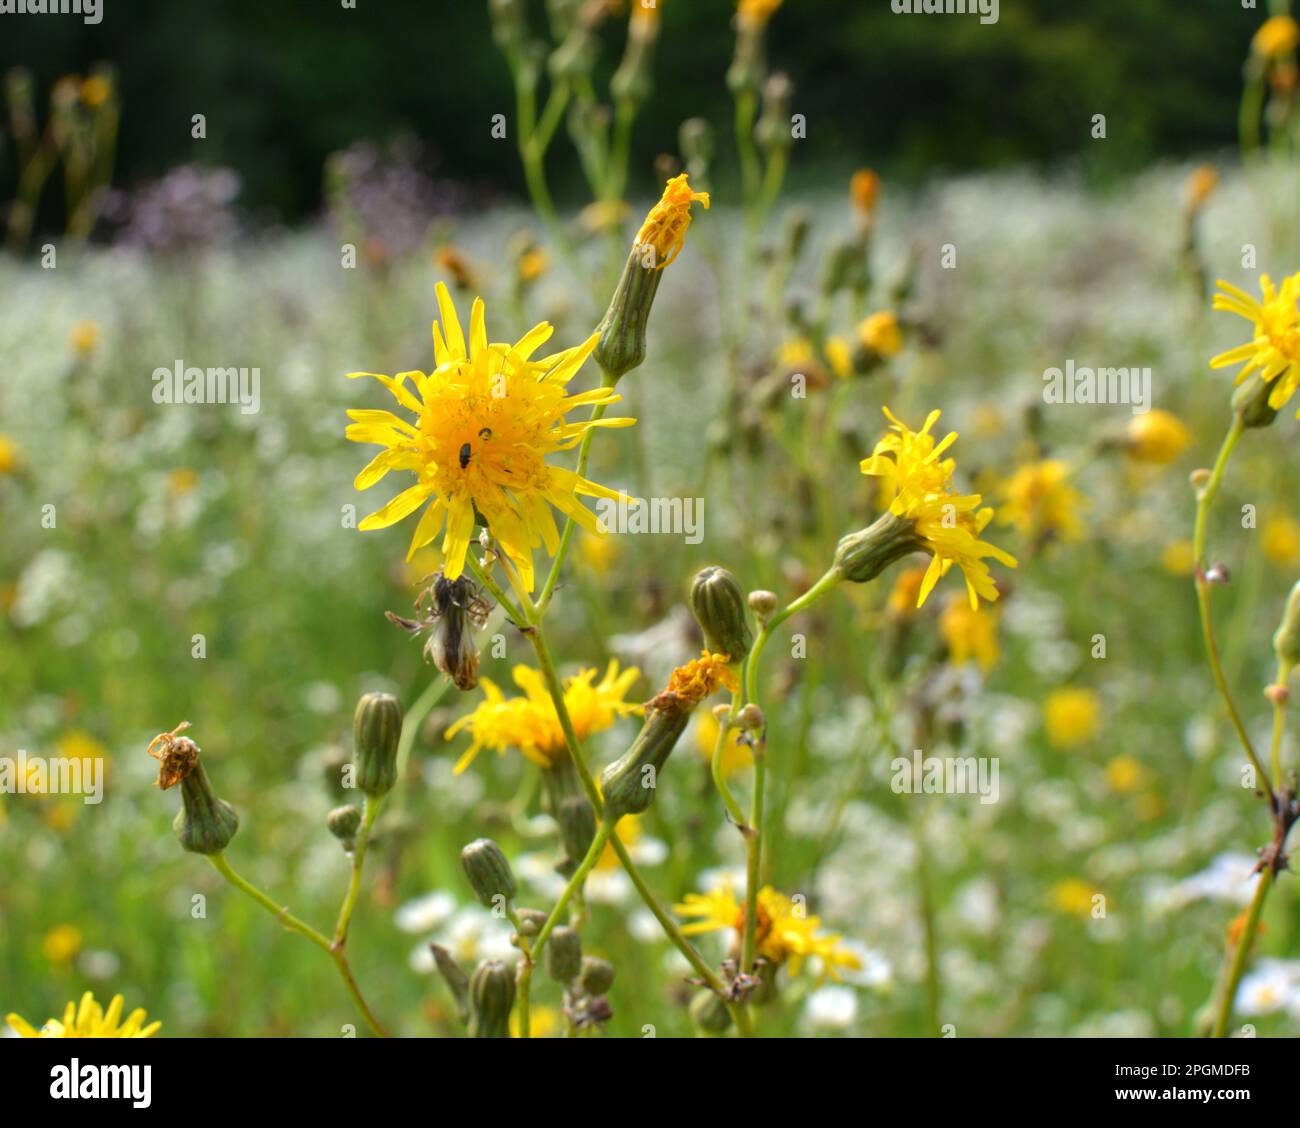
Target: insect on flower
(445,606)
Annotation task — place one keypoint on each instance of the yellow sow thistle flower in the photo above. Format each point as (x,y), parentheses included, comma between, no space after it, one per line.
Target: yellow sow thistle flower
(1281,541)
(84,338)
(486,419)
(784,934)
(970,633)
(1274,351)
(1072,717)
(864,191)
(530,723)
(1074,897)
(881,334)
(89,1020)
(918,481)
(757,13)
(665,226)
(1277,36)
(1040,502)
(1157,436)
(10,457)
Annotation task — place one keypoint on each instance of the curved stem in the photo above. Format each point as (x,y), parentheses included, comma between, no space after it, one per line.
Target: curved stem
(369,812)
(1240,954)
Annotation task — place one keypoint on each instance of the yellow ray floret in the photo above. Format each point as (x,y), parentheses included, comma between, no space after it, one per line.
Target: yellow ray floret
(1274,351)
(89,1020)
(918,486)
(485,420)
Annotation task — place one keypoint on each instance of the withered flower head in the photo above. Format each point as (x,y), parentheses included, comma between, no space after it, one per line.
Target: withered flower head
(176,755)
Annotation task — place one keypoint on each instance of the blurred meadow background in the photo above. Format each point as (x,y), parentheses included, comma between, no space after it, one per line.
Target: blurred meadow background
(996,237)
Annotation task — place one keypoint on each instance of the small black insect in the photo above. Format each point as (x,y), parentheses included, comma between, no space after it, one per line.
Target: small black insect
(464,456)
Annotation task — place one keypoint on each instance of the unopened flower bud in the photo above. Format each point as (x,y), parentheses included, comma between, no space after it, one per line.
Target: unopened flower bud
(710,1013)
(596,976)
(531,921)
(564,955)
(455,978)
(1287,640)
(750,717)
(719,606)
(763,604)
(629,783)
(1251,402)
(491,995)
(376,729)
(860,557)
(343,823)
(488,871)
(577,830)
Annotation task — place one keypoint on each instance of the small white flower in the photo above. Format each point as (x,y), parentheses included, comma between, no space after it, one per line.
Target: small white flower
(426,913)
(831,1008)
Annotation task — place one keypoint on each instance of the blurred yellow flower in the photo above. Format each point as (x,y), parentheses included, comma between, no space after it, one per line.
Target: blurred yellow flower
(10,456)
(181,481)
(905,592)
(84,338)
(645,11)
(452,261)
(602,215)
(1179,558)
(1040,502)
(1275,349)
(61,943)
(531,724)
(96,90)
(599,553)
(1277,36)
(735,753)
(864,191)
(486,418)
(543,1021)
(1074,897)
(1124,775)
(839,356)
(1072,716)
(89,1020)
(881,334)
(532,264)
(756,13)
(970,633)
(919,483)
(784,932)
(1281,537)
(1157,436)
(665,226)
(1201,185)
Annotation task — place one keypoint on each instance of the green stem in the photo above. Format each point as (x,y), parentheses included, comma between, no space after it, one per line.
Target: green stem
(718,763)
(1240,954)
(369,812)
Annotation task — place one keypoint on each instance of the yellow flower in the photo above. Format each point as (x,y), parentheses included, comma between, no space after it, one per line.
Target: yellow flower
(784,932)
(1277,36)
(1179,558)
(665,226)
(10,456)
(1125,775)
(453,262)
(881,334)
(645,11)
(1275,349)
(532,264)
(839,356)
(599,553)
(486,418)
(89,1020)
(61,943)
(864,191)
(182,480)
(970,633)
(796,353)
(918,483)
(756,13)
(1040,502)
(702,677)
(1072,716)
(1157,436)
(96,90)
(735,753)
(531,724)
(1201,185)
(602,215)
(903,595)
(84,338)
(1074,896)
(543,1022)
(1282,541)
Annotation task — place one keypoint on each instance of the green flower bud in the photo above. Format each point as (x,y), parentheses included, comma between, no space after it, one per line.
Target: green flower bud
(344,822)
(491,995)
(455,978)
(596,976)
(577,831)
(1250,401)
(1287,640)
(488,871)
(204,824)
(629,783)
(376,729)
(695,139)
(564,955)
(719,606)
(531,921)
(860,557)
(763,604)
(710,1013)
(622,344)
